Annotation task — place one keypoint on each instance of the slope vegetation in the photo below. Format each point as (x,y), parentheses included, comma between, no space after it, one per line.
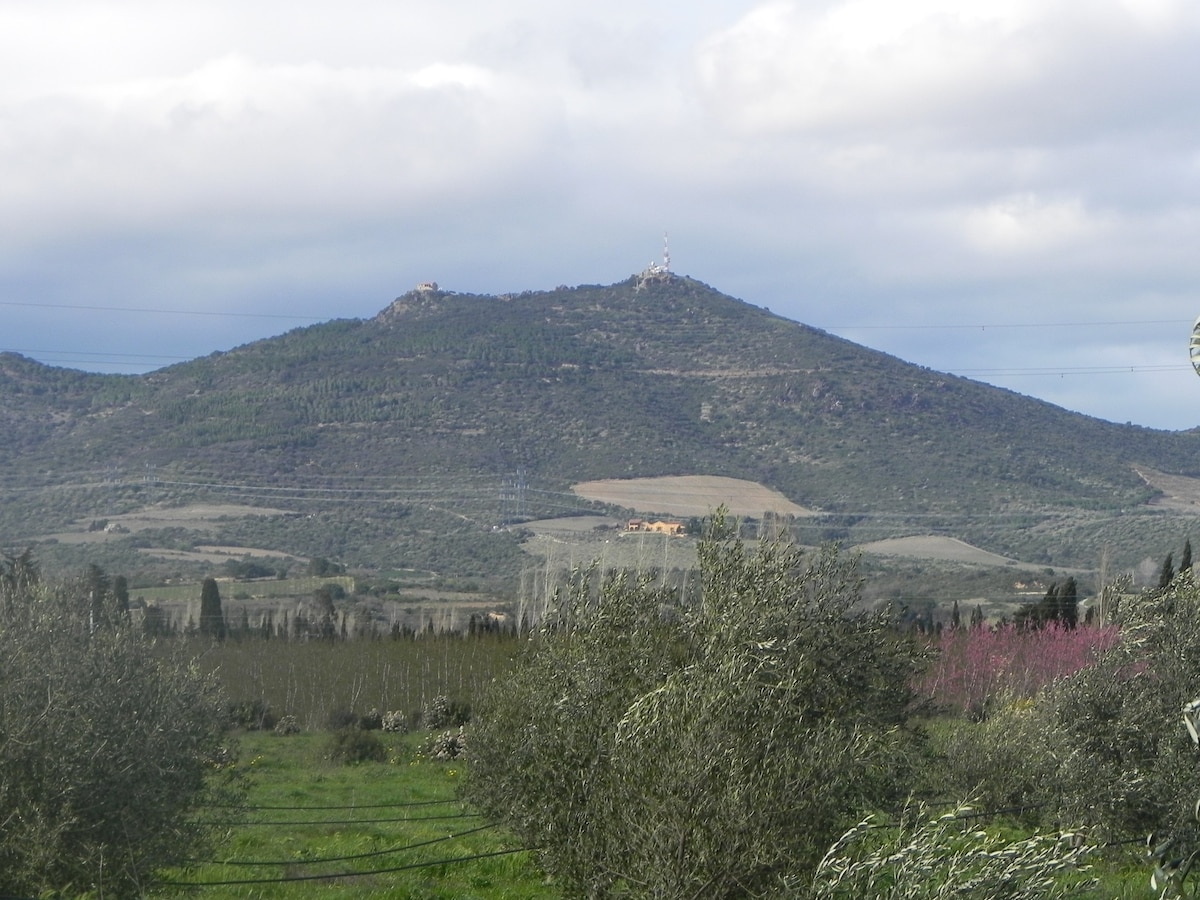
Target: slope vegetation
(402,441)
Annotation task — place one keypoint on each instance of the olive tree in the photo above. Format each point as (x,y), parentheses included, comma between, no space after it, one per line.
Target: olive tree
(1129,767)
(653,744)
(108,751)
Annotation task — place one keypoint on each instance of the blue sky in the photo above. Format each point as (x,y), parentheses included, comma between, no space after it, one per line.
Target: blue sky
(1005,189)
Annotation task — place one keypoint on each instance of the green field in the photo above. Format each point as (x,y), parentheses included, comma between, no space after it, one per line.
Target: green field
(259,589)
(390,829)
(397,828)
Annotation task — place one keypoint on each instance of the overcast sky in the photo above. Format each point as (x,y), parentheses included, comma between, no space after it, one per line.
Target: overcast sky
(1003,189)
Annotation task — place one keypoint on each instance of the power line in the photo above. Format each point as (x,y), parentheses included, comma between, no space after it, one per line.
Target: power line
(981,326)
(309,807)
(349,821)
(331,859)
(169,312)
(421,865)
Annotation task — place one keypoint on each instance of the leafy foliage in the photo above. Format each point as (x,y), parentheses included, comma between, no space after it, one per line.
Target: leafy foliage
(107,752)
(352,744)
(662,746)
(1129,767)
(936,858)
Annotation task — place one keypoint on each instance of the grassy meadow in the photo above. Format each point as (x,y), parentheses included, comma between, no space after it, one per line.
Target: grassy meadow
(396,828)
(383,829)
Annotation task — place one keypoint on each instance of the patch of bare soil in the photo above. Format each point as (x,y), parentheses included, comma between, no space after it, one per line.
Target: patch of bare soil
(192,516)
(215,554)
(690,495)
(935,547)
(1179,491)
(573,525)
(182,516)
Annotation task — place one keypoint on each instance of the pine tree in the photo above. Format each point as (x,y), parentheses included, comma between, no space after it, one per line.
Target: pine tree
(212,620)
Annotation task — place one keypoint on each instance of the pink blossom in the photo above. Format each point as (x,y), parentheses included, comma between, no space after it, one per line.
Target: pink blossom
(975,665)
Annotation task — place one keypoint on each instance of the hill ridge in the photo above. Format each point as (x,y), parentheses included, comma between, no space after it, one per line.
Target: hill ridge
(569,385)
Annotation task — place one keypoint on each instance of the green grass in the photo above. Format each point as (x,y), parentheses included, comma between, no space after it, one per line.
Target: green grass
(292,781)
(259,588)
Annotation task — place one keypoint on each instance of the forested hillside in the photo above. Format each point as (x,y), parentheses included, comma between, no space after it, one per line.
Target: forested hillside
(404,439)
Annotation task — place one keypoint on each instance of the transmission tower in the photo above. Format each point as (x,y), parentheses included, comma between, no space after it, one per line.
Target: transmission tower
(513,505)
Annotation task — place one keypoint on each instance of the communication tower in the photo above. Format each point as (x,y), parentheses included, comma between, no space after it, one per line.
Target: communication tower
(657,271)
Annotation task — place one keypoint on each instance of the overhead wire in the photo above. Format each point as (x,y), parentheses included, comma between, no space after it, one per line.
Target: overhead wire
(332,875)
(347,821)
(313,861)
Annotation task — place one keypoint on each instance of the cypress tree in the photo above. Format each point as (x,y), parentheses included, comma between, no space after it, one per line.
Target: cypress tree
(212,620)
(1068,604)
(1185,561)
(1167,575)
(120,592)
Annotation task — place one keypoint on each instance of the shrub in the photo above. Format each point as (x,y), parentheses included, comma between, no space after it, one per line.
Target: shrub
(340,719)
(449,745)
(442,712)
(353,745)
(654,745)
(1128,766)
(108,751)
(1007,761)
(287,725)
(251,715)
(371,720)
(394,721)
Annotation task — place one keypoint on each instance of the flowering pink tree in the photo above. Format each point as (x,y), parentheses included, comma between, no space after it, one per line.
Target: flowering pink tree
(974,665)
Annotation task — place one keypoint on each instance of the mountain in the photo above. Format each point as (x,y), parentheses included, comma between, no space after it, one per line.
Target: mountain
(404,440)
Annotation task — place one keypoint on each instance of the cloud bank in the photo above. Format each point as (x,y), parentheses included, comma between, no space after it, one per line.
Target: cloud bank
(1004,189)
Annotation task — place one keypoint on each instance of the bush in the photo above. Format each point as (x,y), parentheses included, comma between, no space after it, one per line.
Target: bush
(714,746)
(394,721)
(251,715)
(1007,761)
(1128,766)
(449,745)
(287,725)
(442,712)
(109,752)
(353,745)
(371,720)
(340,719)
